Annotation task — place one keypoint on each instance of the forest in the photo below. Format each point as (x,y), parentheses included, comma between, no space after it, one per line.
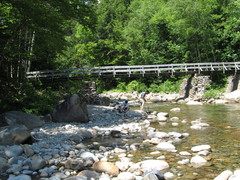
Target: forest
(52,34)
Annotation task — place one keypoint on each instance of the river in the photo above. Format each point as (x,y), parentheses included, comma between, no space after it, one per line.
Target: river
(223,135)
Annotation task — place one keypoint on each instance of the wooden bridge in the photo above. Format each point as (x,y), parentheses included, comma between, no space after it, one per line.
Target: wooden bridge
(135,71)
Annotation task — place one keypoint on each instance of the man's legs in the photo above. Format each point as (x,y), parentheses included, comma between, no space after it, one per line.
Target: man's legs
(142,104)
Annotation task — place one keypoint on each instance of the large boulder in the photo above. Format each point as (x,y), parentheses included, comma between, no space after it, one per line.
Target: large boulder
(71,110)
(15,134)
(233,96)
(31,121)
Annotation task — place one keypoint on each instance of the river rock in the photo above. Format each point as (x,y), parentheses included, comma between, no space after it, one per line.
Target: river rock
(224,175)
(198,161)
(71,110)
(14,134)
(31,121)
(27,149)
(201,148)
(37,162)
(13,151)
(107,167)
(234,95)
(20,177)
(169,175)
(153,164)
(159,135)
(235,176)
(3,165)
(74,164)
(150,176)
(126,176)
(162,117)
(76,178)
(152,173)
(166,146)
(89,174)
(89,158)
(175,110)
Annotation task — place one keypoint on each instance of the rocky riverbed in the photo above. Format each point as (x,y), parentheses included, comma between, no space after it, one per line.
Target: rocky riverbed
(63,150)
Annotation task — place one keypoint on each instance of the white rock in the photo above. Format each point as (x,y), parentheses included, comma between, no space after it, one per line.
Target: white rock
(159,135)
(153,164)
(126,176)
(175,109)
(198,161)
(224,175)
(184,161)
(175,124)
(201,148)
(166,146)
(185,153)
(169,175)
(235,95)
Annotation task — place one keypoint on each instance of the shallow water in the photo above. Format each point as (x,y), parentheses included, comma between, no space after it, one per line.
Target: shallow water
(223,135)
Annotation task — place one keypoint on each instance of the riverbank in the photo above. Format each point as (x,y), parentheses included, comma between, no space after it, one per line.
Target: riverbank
(225,98)
(74,151)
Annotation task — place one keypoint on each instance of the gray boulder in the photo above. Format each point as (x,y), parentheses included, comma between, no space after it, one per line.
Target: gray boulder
(71,110)
(15,134)
(3,165)
(31,121)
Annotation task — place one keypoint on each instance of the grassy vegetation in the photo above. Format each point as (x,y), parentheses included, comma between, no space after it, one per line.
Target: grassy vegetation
(158,87)
(217,87)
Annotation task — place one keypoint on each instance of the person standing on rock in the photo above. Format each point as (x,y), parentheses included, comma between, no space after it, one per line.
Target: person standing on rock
(143,99)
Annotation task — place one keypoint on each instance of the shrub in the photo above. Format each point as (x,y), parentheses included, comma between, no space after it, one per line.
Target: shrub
(170,86)
(136,86)
(212,93)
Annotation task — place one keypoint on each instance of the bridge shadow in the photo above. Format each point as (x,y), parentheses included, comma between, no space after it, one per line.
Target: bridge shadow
(185,88)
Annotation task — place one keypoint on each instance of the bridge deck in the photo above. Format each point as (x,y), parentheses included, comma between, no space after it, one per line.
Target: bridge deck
(135,71)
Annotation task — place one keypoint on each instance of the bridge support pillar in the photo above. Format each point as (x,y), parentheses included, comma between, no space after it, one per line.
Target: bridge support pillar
(233,83)
(194,87)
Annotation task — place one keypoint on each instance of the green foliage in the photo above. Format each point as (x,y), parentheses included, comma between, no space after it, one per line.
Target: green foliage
(41,102)
(136,86)
(216,88)
(121,87)
(80,51)
(213,93)
(169,86)
(35,98)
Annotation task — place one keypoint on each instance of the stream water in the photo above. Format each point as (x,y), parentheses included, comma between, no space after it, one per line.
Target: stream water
(223,135)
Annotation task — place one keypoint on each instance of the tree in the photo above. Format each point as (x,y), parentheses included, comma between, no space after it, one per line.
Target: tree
(148,35)
(112,17)
(228,30)
(32,31)
(80,49)
(193,22)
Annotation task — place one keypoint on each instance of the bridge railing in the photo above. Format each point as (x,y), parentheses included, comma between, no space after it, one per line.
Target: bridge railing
(137,70)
